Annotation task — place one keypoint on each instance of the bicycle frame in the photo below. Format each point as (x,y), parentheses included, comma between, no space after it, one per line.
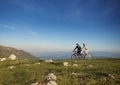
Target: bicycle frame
(76,56)
(82,55)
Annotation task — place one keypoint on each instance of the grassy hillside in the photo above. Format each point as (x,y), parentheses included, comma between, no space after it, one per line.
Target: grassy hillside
(7,51)
(88,72)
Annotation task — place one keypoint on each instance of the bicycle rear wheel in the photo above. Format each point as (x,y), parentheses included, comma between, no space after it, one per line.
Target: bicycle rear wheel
(81,57)
(73,56)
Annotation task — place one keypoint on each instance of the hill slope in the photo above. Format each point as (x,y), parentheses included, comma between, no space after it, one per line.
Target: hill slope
(7,51)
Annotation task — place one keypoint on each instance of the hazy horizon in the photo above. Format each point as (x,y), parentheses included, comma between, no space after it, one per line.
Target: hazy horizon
(56,55)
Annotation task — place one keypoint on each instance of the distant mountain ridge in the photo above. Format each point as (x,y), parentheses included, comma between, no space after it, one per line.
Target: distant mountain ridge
(7,51)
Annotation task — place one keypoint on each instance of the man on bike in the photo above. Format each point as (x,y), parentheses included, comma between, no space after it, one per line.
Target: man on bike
(78,49)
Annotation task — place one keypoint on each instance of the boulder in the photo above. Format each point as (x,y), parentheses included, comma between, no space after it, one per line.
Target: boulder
(51,83)
(51,77)
(12,57)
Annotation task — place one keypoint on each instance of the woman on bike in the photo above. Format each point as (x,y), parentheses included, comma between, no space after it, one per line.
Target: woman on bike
(85,50)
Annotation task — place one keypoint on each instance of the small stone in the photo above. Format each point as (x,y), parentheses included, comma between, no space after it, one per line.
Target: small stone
(50,60)
(73,73)
(111,76)
(2,59)
(36,83)
(11,67)
(66,64)
(76,65)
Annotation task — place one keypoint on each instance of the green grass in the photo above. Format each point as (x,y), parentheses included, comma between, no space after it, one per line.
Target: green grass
(26,72)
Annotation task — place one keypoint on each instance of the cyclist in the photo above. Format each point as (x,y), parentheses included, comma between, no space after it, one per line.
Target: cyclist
(85,50)
(78,49)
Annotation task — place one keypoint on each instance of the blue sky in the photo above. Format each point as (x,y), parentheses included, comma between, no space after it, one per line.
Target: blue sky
(56,25)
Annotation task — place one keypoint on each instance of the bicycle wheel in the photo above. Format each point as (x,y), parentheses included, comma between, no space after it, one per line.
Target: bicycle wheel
(73,56)
(81,56)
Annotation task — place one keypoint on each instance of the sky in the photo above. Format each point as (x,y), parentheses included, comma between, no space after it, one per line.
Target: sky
(57,25)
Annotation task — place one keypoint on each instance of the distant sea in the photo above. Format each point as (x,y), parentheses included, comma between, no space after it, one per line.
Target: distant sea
(67,55)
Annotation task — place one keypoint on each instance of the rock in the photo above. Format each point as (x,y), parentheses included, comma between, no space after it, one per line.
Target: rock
(66,64)
(2,59)
(76,65)
(51,77)
(36,63)
(50,60)
(12,57)
(51,83)
(36,83)
(90,66)
(73,73)
(11,67)
(111,76)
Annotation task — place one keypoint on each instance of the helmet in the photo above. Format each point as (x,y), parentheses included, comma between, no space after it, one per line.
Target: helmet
(77,44)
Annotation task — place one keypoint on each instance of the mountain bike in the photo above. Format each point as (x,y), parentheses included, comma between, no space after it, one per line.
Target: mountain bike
(76,56)
(81,55)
